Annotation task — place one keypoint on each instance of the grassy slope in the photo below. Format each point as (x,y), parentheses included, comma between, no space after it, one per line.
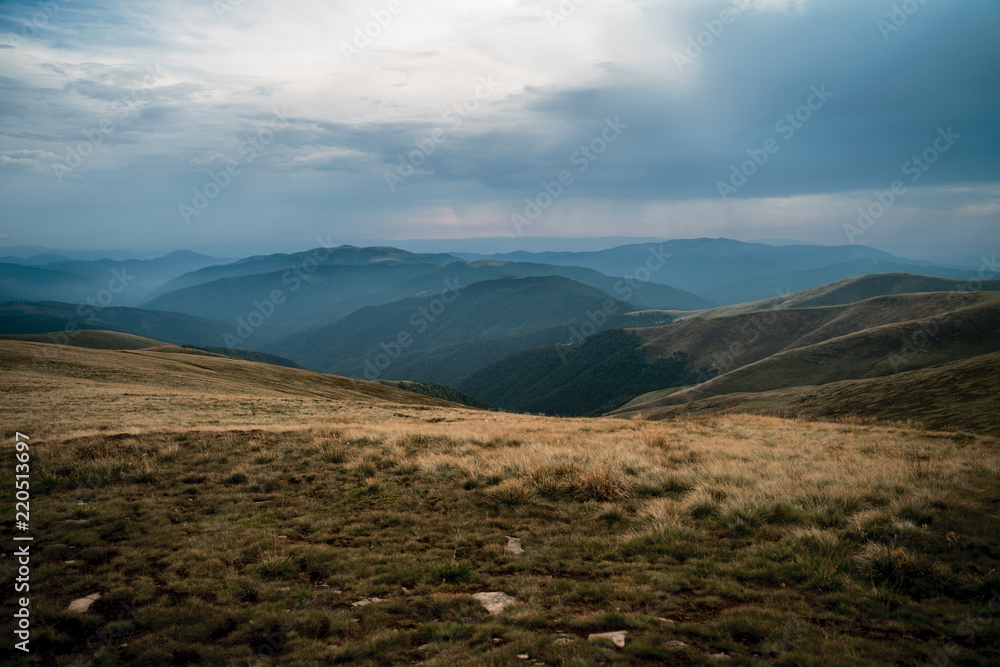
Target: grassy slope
(967,332)
(961,395)
(849,290)
(95,339)
(222,536)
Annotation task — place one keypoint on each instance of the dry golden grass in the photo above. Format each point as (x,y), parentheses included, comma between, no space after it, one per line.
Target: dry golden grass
(225,515)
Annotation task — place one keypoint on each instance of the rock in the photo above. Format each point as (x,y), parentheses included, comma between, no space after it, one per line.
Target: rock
(69,562)
(675,645)
(83,604)
(495,602)
(366,602)
(497,640)
(617,638)
(669,621)
(514,546)
(522,656)
(564,640)
(719,656)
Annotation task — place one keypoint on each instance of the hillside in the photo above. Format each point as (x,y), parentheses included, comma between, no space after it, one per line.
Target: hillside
(961,395)
(62,320)
(95,339)
(477,324)
(169,387)
(220,511)
(724,345)
(851,290)
(588,378)
(967,331)
(329,293)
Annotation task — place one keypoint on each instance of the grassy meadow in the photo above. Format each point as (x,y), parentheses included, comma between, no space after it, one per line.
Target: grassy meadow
(745,540)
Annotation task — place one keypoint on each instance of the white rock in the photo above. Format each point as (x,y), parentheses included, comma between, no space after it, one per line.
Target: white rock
(83,604)
(675,645)
(366,602)
(495,602)
(514,546)
(617,638)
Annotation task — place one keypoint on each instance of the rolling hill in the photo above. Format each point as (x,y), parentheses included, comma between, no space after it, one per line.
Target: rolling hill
(448,338)
(64,321)
(960,395)
(331,292)
(95,339)
(769,349)
(850,290)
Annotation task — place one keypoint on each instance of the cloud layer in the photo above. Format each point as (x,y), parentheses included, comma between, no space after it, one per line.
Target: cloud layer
(277,123)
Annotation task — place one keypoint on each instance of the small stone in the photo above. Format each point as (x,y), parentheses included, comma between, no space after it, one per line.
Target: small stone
(669,621)
(366,602)
(495,602)
(522,656)
(514,546)
(497,640)
(69,562)
(617,638)
(719,656)
(564,640)
(675,645)
(426,648)
(83,604)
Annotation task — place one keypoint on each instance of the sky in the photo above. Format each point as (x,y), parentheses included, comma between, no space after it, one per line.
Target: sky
(254,125)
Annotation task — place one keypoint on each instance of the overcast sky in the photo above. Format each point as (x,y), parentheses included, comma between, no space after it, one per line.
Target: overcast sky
(119,120)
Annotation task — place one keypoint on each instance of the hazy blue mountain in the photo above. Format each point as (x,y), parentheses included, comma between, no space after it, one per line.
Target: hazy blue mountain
(104,282)
(302,264)
(441,338)
(248,303)
(703,265)
(57,318)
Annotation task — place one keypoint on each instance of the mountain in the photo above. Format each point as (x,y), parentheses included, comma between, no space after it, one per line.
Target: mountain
(755,287)
(263,308)
(769,349)
(301,264)
(441,391)
(61,322)
(960,395)
(101,282)
(829,355)
(95,339)
(443,338)
(728,271)
(590,378)
(851,290)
